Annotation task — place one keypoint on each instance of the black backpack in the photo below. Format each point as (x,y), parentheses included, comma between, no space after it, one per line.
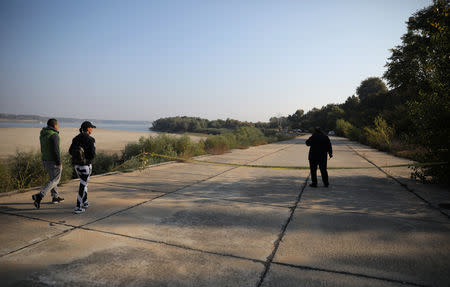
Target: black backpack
(77,154)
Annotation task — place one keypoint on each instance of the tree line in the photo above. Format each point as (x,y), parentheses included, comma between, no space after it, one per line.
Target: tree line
(411,117)
(196,124)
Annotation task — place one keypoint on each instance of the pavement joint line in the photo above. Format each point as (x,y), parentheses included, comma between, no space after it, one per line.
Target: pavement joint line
(404,185)
(391,215)
(173,192)
(73,227)
(149,200)
(120,211)
(308,268)
(37,242)
(276,244)
(157,197)
(174,245)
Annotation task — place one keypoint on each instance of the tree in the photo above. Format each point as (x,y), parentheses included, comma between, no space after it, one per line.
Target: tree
(419,70)
(296,118)
(371,87)
(351,109)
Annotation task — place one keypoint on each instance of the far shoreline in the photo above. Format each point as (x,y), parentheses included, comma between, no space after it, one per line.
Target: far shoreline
(26,139)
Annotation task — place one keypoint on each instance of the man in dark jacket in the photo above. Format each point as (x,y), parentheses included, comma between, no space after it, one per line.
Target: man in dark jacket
(51,158)
(319,145)
(82,151)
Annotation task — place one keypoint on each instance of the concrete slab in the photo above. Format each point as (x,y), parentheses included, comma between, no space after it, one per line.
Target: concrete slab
(283,276)
(104,200)
(87,258)
(30,231)
(217,226)
(366,191)
(249,155)
(385,247)
(189,224)
(259,186)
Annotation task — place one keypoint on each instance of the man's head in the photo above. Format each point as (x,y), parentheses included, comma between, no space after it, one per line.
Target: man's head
(87,127)
(317,130)
(53,123)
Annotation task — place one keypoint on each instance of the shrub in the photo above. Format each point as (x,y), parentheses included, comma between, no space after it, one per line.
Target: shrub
(5,178)
(248,136)
(346,129)
(218,144)
(381,136)
(131,150)
(342,127)
(26,170)
(104,163)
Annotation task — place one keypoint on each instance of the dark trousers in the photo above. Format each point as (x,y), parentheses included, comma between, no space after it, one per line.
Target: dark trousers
(323,170)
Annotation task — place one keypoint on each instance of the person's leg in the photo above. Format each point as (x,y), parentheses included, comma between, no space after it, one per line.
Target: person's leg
(313,169)
(85,202)
(83,173)
(54,172)
(324,172)
(55,195)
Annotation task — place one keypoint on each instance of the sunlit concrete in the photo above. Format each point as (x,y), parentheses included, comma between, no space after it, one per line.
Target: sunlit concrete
(197,224)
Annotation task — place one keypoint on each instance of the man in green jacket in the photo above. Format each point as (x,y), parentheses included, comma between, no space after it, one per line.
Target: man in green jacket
(51,157)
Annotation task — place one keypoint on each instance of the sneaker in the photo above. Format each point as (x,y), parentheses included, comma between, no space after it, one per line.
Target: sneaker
(79,210)
(313,185)
(57,199)
(326,185)
(86,204)
(37,200)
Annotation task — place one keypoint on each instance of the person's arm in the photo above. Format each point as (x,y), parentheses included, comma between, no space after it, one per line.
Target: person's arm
(93,148)
(90,151)
(54,139)
(309,141)
(72,147)
(330,148)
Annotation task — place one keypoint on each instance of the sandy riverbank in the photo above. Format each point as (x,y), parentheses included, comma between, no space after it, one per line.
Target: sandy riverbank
(27,139)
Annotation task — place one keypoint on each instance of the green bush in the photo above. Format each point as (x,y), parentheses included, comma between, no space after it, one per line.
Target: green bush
(248,136)
(346,129)
(381,136)
(131,150)
(219,144)
(5,178)
(27,170)
(342,127)
(104,163)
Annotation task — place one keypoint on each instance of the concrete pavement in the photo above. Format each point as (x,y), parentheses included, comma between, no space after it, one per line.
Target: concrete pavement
(192,224)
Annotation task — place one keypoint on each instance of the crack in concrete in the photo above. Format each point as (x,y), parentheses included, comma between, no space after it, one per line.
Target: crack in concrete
(280,236)
(73,227)
(308,268)
(405,186)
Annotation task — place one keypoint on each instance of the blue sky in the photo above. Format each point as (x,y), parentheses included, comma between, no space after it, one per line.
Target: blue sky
(142,60)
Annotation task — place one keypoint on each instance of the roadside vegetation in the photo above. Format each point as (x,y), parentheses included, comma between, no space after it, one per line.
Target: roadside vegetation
(411,118)
(25,169)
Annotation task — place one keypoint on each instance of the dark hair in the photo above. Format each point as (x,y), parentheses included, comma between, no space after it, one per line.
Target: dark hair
(52,122)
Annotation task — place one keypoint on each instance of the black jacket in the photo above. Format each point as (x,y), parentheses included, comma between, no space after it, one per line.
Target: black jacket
(88,144)
(320,145)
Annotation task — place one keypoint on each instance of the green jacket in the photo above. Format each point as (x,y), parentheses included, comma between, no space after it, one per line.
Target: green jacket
(50,150)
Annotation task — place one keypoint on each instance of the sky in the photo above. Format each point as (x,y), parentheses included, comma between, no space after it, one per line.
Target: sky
(142,60)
